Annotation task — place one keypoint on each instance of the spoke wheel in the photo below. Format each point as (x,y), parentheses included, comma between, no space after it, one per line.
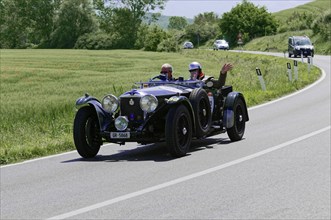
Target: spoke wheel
(236,132)
(178,131)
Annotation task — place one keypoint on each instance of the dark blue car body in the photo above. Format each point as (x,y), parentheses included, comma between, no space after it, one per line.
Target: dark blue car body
(180,111)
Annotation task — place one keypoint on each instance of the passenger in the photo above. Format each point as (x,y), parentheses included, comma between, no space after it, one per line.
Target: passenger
(196,73)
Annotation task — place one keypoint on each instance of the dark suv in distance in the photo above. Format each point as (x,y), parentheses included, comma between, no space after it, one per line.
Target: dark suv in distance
(298,45)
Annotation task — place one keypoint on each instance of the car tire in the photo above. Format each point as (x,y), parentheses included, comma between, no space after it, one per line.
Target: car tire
(202,111)
(87,132)
(236,132)
(178,131)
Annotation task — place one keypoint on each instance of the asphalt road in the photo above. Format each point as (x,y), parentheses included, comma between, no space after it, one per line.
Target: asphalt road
(281,170)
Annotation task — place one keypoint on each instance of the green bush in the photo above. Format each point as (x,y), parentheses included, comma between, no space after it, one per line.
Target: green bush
(168,45)
(297,21)
(154,36)
(99,41)
(322,25)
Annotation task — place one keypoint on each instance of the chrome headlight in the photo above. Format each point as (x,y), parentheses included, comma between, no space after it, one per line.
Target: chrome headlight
(148,103)
(121,123)
(110,103)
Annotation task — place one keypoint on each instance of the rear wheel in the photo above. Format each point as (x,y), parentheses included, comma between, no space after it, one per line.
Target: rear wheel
(178,131)
(202,111)
(87,132)
(236,132)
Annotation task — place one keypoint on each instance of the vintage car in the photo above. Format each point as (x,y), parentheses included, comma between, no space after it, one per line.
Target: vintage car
(174,112)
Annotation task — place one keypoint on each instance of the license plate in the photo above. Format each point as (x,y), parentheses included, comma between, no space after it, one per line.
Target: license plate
(120,135)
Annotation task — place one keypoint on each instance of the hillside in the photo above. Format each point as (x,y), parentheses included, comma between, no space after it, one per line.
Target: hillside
(163,21)
(316,7)
(296,21)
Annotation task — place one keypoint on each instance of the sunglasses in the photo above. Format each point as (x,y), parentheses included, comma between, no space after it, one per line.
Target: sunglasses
(163,72)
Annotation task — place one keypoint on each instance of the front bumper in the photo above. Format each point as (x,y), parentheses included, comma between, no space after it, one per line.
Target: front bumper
(135,136)
(305,52)
(222,48)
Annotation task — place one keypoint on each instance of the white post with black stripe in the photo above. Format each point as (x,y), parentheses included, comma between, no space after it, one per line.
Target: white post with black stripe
(308,58)
(295,64)
(259,75)
(289,72)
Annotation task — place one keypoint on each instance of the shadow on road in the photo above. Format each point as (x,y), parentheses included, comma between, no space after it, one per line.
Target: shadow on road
(152,152)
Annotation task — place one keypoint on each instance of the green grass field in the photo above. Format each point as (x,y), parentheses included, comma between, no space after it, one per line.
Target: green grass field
(39,88)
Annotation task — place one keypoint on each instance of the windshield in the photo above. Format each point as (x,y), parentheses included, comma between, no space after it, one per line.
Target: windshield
(220,41)
(184,83)
(303,42)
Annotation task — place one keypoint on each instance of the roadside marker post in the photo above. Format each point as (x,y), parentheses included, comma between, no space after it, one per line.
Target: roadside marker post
(259,75)
(295,70)
(301,57)
(289,71)
(308,64)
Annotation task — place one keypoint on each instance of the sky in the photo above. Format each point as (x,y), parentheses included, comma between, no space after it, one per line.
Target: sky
(191,8)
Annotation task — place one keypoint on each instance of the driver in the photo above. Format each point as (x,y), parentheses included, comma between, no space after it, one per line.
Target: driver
(166,70)
(196,73)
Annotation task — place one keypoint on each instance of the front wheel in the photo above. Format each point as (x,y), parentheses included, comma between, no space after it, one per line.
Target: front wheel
(236,132)
(178,131)
(87,132)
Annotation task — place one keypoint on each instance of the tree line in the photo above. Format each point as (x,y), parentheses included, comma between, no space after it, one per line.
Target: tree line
(122,24)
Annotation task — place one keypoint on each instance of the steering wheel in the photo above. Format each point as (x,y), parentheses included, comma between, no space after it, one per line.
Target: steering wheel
(160,77)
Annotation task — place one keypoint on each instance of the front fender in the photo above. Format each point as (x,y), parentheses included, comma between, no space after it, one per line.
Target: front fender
(175,100)
(103,116)
(228,115)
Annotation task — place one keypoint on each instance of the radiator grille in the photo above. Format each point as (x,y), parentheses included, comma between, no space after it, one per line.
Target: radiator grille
(130,107)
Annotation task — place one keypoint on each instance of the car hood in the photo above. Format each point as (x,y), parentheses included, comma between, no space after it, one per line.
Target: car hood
(305,46)
(222,44)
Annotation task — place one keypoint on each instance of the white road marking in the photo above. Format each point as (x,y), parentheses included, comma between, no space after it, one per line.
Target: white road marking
(186,178)
(40,158)
(46,157)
